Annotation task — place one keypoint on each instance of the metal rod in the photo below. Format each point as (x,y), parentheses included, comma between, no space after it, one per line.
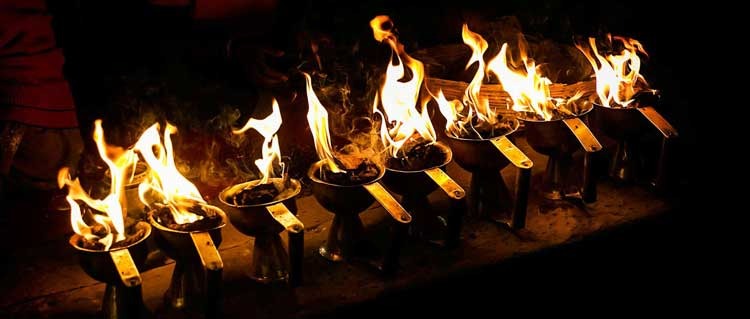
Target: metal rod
(214,266)
(512,153)
(392,253)
(583,134)
(281,214)
(214,293)
(296,254)
(669,132)
(455,221)
(126,267)
(446,183)
(296,247)
(475,195)
(661,168)
(389,203)
(658,121)
(457,207)
(523,180)
(589,182)
(207,251)
(399,230)
(123,302)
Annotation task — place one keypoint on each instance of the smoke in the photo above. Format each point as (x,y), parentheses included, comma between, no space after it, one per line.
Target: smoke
(206,151)
(346,87)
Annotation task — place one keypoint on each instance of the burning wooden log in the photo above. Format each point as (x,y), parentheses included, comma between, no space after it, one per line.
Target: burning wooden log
(500,99)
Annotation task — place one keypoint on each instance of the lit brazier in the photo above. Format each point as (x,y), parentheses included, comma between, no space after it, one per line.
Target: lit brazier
(110,248)
(554,126)
(623,106)
(346,185)
(482,143)
(416,161)
(186,228)
(264,207)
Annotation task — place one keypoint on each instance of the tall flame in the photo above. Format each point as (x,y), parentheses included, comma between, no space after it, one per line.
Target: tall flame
(478,105)
(617,75)
(118,161)
(271,152)
(478,108)
(527,87)
(317,118)
(398,96)
(164,184)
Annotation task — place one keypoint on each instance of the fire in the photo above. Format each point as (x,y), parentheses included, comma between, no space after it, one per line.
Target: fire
(118,161)
(317,118)
(528,89)
(479,111)
(164,184)
(617,75)
(398,96)
(271,153)
(477,104)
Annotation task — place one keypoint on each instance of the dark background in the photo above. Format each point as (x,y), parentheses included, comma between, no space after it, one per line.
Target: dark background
(113,47)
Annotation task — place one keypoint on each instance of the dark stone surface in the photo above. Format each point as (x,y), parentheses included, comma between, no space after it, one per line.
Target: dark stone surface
(558,251)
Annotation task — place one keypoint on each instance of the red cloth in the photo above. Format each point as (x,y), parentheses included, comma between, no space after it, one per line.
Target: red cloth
(33,90)
(220,9)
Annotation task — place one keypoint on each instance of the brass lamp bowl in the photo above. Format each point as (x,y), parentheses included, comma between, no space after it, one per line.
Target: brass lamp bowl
(196,280)
(341,199)
(270,262)
(118,268)
(627,125)
(415,183)
(479,155)
(489,196)
(559,139)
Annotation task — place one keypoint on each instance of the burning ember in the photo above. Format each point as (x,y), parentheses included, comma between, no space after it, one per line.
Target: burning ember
(528,89)
(617,75)
(108,229)
(177,201)
(479,120)
(338,168)
(267,188)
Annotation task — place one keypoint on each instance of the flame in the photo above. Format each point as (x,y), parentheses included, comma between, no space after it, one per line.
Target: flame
(317,118)
(164,184)
(451,110)
(478,105)
(271,153)
(399,98)
(478,110)
(617,75)
(118,161)
(527,87)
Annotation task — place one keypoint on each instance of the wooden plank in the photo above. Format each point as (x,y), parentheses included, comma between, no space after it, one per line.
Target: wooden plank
(498,98)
